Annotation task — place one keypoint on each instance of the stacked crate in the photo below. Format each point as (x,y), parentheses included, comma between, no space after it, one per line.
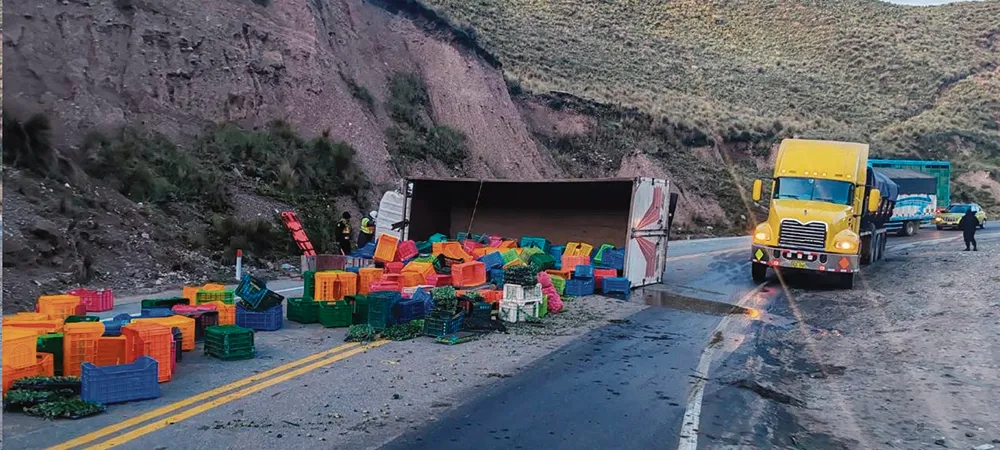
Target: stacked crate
(229,343)
(152,340)
(80,345)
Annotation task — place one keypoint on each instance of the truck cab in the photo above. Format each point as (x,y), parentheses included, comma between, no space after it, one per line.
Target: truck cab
(827,211)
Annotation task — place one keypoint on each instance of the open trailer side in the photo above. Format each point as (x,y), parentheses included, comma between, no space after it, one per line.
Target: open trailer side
(630,213)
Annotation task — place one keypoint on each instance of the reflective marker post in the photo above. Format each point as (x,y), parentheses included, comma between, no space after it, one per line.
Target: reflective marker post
(239,264)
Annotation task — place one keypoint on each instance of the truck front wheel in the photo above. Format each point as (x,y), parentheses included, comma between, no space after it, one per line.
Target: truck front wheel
(759,272)
(910,228)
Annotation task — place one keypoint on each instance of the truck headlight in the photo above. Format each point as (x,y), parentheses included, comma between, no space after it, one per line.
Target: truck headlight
(938,219)
(762,234)
(846,240)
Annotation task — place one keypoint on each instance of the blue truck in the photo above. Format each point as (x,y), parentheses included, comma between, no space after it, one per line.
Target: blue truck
(924,188)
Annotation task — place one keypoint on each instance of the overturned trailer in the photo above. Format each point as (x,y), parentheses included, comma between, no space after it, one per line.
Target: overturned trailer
(630,213)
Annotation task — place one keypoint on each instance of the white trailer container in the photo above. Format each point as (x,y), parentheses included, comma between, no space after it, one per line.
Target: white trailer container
(630,213)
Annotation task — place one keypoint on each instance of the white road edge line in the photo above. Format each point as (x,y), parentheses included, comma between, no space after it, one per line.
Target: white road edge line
(290,289)
(692,413)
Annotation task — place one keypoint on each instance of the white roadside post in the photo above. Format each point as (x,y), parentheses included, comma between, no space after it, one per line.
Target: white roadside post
(239,264)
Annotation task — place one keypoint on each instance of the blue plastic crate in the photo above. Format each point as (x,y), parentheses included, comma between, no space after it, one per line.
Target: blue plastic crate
(409,310)
(492,260)
(380,308)
(120,383)
(557,251)
(156,312)
(437,238)
(424,296)
(461,236)
(537,242)
(367,251)
(613,259)
(123,317)
(579,287)
(270,319)
(584,272)
(497,276)
(353,269)
(443,326)
(113,327)
(615,285)
(251,289)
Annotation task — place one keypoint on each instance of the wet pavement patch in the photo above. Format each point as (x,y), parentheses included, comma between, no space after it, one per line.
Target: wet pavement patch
(766,392)
(664,299)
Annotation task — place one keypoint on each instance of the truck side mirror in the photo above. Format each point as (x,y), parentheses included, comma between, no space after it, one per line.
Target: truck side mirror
(758,189)
(874,197)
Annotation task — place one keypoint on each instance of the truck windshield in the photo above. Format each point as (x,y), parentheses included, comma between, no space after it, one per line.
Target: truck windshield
(831,191)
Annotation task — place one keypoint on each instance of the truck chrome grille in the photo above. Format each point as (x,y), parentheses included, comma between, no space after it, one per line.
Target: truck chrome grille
(795,235)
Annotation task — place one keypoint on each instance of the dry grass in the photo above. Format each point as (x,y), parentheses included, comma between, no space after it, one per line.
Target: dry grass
(849,69)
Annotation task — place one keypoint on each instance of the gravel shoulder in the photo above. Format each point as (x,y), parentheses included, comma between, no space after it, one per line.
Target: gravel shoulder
(910,358)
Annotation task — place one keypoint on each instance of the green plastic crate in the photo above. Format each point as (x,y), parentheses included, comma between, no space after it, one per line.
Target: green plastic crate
(527,253)
(543,261)
(302,310)
(438,238)
(335,314)
(360,303)
(425,247)
(164,302)
(380,309)
(52,343)
(543,309)
(229,342)
(559,283)
(225,296)
(309,284)
(599,256)
(425,258)
(509,255)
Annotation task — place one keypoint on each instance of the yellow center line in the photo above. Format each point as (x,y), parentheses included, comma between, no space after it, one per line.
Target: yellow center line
(117,427)
(165,422)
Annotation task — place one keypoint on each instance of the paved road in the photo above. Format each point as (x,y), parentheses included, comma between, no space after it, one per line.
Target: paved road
(630,385)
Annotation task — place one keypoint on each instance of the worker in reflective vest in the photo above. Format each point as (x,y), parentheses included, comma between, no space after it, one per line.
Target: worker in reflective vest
(367,232)
(343,234)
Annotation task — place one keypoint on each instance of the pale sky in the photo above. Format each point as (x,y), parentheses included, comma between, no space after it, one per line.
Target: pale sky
(924,2)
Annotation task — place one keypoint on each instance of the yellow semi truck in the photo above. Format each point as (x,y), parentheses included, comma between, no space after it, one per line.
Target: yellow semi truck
(828,211)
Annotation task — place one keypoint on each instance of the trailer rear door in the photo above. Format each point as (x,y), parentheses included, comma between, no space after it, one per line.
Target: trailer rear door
(394,208)
(646,252)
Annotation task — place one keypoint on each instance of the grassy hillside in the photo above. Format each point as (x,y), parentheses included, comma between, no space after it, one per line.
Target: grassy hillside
(917,81)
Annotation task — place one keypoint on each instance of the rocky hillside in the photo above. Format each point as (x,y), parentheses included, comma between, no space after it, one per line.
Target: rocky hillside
(146,140)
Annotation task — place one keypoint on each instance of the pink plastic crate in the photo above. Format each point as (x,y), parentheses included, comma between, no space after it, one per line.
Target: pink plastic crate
(469,245)
(190,309)
(438,280)
(495,241)
(406,250)
(468,274)
(394,267)
(95,301)
(380,286)
(570,262)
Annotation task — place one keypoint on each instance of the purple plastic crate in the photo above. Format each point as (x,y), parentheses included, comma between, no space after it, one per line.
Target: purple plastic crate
(577,287)
(270,319)
(583,271)
(493,260)
(615,285)
(120,383)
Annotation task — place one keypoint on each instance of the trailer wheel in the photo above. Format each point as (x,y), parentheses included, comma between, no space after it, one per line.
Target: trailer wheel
(758,272)
(910,228)
(846,280)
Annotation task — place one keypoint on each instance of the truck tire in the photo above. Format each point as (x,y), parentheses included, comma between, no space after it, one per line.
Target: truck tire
(867,252)
(847,280)
(939,227)
(758,272)
(910,228)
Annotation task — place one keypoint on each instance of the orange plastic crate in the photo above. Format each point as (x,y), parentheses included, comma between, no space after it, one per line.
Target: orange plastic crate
(191,293)
(507,245)
(42,367)
(491,296)
(411,279)
(227,313)
(80,345)
(450,249)
(213,287)
(569,262)
(328,287)
(425,269)
(58,306)
(385,250)
(26,317)
(111,350)
(18,347)
(29,320)
(563,273)
(186,324)
(483,251)
(350,280)
(468,274)
(152,340)
(366,276)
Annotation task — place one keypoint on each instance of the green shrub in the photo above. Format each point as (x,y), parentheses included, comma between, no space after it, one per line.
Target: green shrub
(257,238)
(415,137)
(361,93)
(408,100)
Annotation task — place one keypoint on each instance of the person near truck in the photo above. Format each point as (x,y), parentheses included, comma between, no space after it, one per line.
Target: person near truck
(343,233)
(367,231)
(968,224)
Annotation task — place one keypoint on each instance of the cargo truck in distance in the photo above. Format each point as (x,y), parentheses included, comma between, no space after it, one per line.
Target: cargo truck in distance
(924,191)
(827,214)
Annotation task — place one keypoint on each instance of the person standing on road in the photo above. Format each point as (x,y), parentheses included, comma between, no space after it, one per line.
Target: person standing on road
(968,224)
(343,233)
(367,232)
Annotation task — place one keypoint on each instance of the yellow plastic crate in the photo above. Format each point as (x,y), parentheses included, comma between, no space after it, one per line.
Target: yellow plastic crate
(186,324)
(578,249)
(80,345)
(58,306)
(19,349)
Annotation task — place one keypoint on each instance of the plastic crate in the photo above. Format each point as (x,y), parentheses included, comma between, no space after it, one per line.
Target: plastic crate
(156,312)
(578,249)
(384,286)
(58,306)
(79,345)
(468,274)
(229,342)
(480,315)
(518,311)
(569,262)
(38,326)
(266,301)
(77,319)
(111,351)
(559,283)
(536,242)
(437,238)
(268,320)
(492,260)
(385,248)
(223,295)
(202,319)
(114,327)
(543,261)
(177,339)
(152,340)
(191,293)
(613,259)
(424,295)
(411,279)
(437,326)
(120,383)
(380,308)
(95,301)
(367,251)
(598,255)
(527,253)
(366,276)
(309,284)
(578,287)
(19,347)
(406,250)
(251,289)
(438,280)
(583,271)
(336,314)
(359,303)
(186,324)
(52,344)
(302,310)
(409,310)
(616,285)
(451,249)
(42,367)
(168,303)
(601,274)
(471,246)
(497,276)
(227,313)
(425,269)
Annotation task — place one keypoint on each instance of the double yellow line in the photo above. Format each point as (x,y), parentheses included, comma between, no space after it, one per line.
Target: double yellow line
(259,381)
